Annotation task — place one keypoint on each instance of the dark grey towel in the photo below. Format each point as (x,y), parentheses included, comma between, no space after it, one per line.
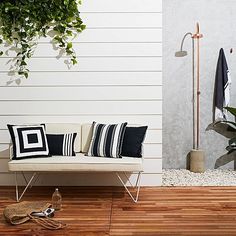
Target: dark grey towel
(221,91)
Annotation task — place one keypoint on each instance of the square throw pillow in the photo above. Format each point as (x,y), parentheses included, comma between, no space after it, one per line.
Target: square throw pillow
(28,141)
(107,140)
(61,144)
(133,140)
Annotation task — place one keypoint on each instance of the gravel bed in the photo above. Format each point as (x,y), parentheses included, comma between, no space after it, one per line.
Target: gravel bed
(173,177)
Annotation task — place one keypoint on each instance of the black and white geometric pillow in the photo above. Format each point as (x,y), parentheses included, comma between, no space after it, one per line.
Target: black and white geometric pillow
(28,141)
(61,144)
(107,140)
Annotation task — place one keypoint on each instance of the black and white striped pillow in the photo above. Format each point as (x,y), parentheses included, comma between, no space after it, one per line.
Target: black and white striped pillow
(61,144)
(107,140)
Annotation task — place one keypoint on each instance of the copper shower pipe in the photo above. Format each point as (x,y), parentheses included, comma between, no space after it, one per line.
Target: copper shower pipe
(197,36)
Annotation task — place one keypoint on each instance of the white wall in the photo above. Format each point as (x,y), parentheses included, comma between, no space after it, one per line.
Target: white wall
(118,78)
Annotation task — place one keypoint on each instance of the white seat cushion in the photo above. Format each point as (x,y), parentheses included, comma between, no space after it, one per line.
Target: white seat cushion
(76,164)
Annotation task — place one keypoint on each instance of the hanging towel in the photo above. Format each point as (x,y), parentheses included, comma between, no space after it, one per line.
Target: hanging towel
(222,88)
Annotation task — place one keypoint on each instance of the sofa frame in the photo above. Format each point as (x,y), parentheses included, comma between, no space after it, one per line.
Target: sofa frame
(135,186)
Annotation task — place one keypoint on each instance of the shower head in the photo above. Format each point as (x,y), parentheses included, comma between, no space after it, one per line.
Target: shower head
(181,53)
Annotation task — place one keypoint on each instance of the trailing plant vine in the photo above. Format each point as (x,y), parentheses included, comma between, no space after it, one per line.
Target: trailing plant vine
(23,22)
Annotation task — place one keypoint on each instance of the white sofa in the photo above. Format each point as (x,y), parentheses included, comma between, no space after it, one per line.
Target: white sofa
(78,163)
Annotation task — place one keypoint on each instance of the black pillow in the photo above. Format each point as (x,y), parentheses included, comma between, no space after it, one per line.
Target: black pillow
(28,141)
(133,140)
(61,144)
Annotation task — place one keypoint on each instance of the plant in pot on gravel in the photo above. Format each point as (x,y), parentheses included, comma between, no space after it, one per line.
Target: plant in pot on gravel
(227,129)
(232,128)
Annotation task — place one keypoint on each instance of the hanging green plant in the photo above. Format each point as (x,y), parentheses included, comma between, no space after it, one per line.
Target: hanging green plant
(24,22)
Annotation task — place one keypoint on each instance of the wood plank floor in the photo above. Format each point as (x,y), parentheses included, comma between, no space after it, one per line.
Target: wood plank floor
(108,211)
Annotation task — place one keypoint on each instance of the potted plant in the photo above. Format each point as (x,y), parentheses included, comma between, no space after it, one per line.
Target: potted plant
(24,22)
(227,129)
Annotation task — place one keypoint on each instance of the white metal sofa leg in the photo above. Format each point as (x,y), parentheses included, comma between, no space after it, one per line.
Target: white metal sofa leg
(18,198)
(136,186)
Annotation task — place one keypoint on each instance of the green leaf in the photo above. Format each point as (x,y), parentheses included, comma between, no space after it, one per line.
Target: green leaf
(62,45)
(232,141)
(232,110)
(57,38)
(26,75)
(23,63)
(28,54)
(69,45)
(228,122)
(69,33)
(1,53)
(69,52)
(83,27)
(74,61)
(230,149)
(23,22)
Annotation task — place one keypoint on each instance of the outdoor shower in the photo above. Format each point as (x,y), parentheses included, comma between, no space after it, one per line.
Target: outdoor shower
(196,155)
(182,53)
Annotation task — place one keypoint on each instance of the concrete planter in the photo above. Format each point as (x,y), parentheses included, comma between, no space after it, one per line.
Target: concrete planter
(197,161)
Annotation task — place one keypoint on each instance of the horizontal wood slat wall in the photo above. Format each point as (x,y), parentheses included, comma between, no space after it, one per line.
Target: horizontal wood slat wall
(123,20)
(80,107)
(101,50)
(120,93)
(118,78)
(153,121)
(73,78)
(92,64)
(121,6)
(117,35)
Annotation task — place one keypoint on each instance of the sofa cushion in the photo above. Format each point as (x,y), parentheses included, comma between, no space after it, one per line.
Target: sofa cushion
(133,141)
(86,137)
(61,144)
(78,163)
(87,132)
(28,141)
(107,140)
(56,128)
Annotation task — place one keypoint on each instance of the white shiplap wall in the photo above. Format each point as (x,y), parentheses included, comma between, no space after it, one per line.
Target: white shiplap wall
(118,78)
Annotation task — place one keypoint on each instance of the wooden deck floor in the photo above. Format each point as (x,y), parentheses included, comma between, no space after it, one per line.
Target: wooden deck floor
(108,211)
